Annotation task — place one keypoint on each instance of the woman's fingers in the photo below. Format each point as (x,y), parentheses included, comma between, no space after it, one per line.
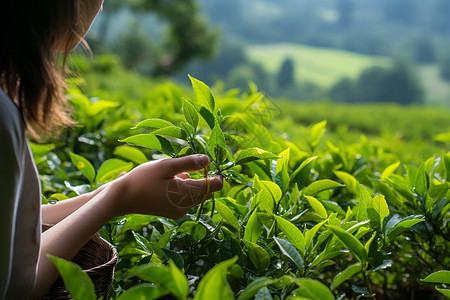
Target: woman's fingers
(215,184)
(174,166)
(190,192)
(183,175)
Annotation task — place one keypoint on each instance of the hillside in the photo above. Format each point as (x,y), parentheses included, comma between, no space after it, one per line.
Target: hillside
(322,66)
(325,66)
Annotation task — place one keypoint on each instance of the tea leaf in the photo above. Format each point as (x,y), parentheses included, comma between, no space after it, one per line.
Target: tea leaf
(151,141)
(153,123)
(390,170)
(401,226)
(445,292)
(254,286)
(317,206)
(203,94)
(214,284)
(182,285)
(263,294)
(291,252)
(301,167)
(380,205)
(259,257)
(169,277)
(438,277)
(350,242)
(317,132)
(143,291)
(143,242)
(217,145)
(251,154)
(207,116)
(313,289)
(83,165)
(365,202)
(309,234)
(442,277)
(171,131)
(111,168)
(227,214)
(174,257)
(252,229)
(319,186)
(293,234)
(348,273)
(131,154)
(75,280)
(420,182)
(270,190)
(135,222)
(190,114)
(349,180)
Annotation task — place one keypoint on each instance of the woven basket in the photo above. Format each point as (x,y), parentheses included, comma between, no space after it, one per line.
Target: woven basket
(97,258)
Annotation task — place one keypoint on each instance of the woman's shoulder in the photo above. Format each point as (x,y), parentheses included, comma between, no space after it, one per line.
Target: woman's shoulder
(11,124)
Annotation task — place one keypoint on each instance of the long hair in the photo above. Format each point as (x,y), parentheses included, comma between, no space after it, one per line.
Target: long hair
(30,72)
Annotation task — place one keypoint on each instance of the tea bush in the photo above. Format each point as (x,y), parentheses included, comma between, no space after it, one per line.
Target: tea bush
(302,218)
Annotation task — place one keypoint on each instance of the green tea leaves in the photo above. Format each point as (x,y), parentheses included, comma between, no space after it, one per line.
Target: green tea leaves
(131,154)
(291,252)
(251,154)
(348,273)
(111,168)
(75,280)
(293,234)
(312,289)
(227,214)
(350,242)
(83,165)
(319,186)
(396,226)
(153,123)
(217,145)
(214,284)
(438,277)
(190,114)
(259,257)
(203,94)
(151,141)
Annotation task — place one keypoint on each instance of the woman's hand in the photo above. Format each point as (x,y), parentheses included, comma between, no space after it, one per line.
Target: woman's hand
(163,187)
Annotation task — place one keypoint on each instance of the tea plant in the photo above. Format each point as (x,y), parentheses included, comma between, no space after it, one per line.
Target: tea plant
(305,219)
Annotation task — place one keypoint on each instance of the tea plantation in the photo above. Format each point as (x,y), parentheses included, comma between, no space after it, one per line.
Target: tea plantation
(320,201)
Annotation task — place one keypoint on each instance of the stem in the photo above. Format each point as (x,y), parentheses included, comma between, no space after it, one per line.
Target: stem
(213,205)
(366,281)
(199,212)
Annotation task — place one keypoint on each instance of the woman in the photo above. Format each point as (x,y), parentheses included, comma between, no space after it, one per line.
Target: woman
(32,103)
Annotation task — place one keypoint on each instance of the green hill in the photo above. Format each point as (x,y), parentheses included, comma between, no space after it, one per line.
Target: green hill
(325,66)
(322,66)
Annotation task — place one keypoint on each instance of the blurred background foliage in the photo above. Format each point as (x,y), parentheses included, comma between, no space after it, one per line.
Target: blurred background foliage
(343,50)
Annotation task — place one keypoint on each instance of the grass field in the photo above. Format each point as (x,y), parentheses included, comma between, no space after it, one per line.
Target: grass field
(319,65)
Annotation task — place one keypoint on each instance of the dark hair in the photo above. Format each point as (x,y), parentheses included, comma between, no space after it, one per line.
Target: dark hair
(30,72)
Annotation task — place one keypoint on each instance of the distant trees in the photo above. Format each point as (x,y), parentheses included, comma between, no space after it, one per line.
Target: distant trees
(423,50)
(285,76)
(188,35)
(377,84)
(444,68)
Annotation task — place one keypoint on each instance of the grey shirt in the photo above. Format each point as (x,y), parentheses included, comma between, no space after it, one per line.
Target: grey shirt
(20,209)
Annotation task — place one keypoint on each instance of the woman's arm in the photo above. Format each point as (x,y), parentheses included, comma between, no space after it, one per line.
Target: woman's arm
(54,213)
(152,188)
